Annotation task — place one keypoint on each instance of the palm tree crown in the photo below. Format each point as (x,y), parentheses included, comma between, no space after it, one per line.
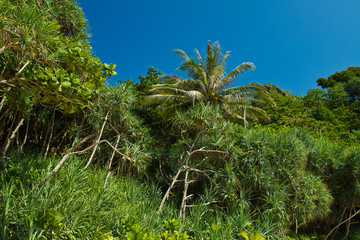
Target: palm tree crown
(208,82)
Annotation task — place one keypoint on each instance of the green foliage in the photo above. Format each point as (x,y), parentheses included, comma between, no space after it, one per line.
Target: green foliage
(74,204)
(295,177)
(6,198)
(339,77)
(45,58)
(347,79)
(274,167)
(116,102)
(253,236)
(325,114)
(208,83)
(146,82)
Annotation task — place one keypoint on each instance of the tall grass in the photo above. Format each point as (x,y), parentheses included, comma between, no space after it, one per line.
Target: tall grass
(73,203)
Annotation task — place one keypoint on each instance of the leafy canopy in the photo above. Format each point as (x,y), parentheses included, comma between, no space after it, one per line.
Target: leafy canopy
(208,82)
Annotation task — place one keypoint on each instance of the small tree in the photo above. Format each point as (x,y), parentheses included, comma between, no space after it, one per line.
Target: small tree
(203,143)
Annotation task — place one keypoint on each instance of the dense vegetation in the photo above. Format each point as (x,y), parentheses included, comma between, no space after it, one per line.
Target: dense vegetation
(165,158)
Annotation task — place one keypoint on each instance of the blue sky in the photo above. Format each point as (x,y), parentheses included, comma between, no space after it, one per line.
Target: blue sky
(291,42)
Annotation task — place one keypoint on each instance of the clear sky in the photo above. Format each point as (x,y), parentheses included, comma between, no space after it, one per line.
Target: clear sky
(291,42)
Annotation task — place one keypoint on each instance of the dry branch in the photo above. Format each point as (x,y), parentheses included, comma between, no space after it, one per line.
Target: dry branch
(70,153)
(348,219)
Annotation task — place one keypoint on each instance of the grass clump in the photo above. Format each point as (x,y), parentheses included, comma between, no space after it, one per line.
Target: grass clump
(74,204)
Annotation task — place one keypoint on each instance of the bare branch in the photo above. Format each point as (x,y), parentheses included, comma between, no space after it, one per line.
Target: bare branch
(182,137)
(190,196)
(23,67)
(69,153)
(356,213)
(204,204)
(208,151)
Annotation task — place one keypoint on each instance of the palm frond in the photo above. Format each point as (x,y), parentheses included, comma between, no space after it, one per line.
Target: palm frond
(182,54)
(159,98)
(231,76)
(210,62)
(192,69)
(254,113)
(193,94)
(257,114)
(207,83)
(247,88)
(199,59)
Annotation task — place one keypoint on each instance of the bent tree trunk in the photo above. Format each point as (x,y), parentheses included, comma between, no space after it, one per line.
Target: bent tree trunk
(11,138)
(346,220)
(26,135)
(110,162)
(71,152)
(9,141)
(185,196)
(98,139)
(167,194)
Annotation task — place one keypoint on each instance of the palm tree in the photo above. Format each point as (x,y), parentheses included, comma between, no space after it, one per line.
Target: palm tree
(208,82)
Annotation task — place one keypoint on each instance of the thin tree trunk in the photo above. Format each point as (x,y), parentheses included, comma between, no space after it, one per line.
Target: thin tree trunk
(98,139)
(69,153)
(341,218)
(45,139)
(9,140)
(36,133)
(78,132)
(2,161)
(2,103)
(348,223)
(62,140)
(185,160)
(346,220)
(52,173)
(5,114)
(18,142)
(11,128)
(166,196)
(63,159)
(110,162)
(26,135)
(51,133)
(186,186)
(245,122)
(3,70)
